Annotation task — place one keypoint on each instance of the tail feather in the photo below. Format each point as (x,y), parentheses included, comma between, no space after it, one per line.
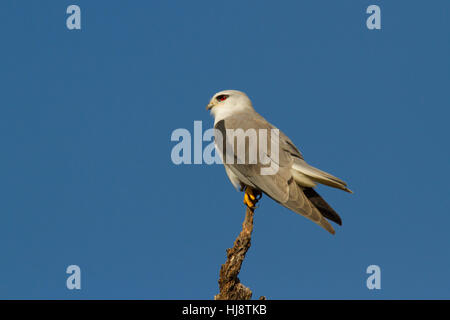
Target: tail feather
(299,203)
(319,175)
(325,209)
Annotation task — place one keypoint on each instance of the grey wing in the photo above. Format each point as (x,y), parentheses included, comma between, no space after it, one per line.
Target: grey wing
(280,186)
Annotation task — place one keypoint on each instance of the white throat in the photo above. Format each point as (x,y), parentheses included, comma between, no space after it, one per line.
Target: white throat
(224,111)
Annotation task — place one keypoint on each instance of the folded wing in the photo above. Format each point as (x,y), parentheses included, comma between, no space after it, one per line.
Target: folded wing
(281,186)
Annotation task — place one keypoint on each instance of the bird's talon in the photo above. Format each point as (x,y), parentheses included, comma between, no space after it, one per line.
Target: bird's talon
(250,199)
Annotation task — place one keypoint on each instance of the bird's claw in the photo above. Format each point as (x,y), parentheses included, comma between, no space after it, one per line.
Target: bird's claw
(251,197)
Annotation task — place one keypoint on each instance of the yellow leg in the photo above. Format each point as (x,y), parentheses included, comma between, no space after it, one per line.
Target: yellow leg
(251,197)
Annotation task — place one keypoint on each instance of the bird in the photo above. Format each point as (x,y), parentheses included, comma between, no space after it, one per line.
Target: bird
(292,184)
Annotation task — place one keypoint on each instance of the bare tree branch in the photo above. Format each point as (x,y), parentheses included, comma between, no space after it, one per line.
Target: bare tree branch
(229,284)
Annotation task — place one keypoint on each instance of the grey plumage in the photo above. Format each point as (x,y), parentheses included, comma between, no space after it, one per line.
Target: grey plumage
(292,186)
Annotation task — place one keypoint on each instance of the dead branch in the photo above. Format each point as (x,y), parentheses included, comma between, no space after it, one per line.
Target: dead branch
(229,284)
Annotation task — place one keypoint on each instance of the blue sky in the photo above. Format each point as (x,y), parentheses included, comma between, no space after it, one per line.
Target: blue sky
(86,176)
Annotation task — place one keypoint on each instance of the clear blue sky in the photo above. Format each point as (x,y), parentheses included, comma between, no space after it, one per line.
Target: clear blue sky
(86,176)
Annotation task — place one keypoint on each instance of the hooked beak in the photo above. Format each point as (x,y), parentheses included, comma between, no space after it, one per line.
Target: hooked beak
(209,106)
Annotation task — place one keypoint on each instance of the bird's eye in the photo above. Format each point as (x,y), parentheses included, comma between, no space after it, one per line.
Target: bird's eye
(222,97)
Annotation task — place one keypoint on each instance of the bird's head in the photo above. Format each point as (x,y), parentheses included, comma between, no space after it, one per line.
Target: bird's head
(229,102)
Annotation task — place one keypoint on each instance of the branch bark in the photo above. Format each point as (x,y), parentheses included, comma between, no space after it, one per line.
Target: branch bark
(230,286)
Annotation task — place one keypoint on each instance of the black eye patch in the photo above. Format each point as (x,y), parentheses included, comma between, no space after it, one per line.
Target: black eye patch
(222,97)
